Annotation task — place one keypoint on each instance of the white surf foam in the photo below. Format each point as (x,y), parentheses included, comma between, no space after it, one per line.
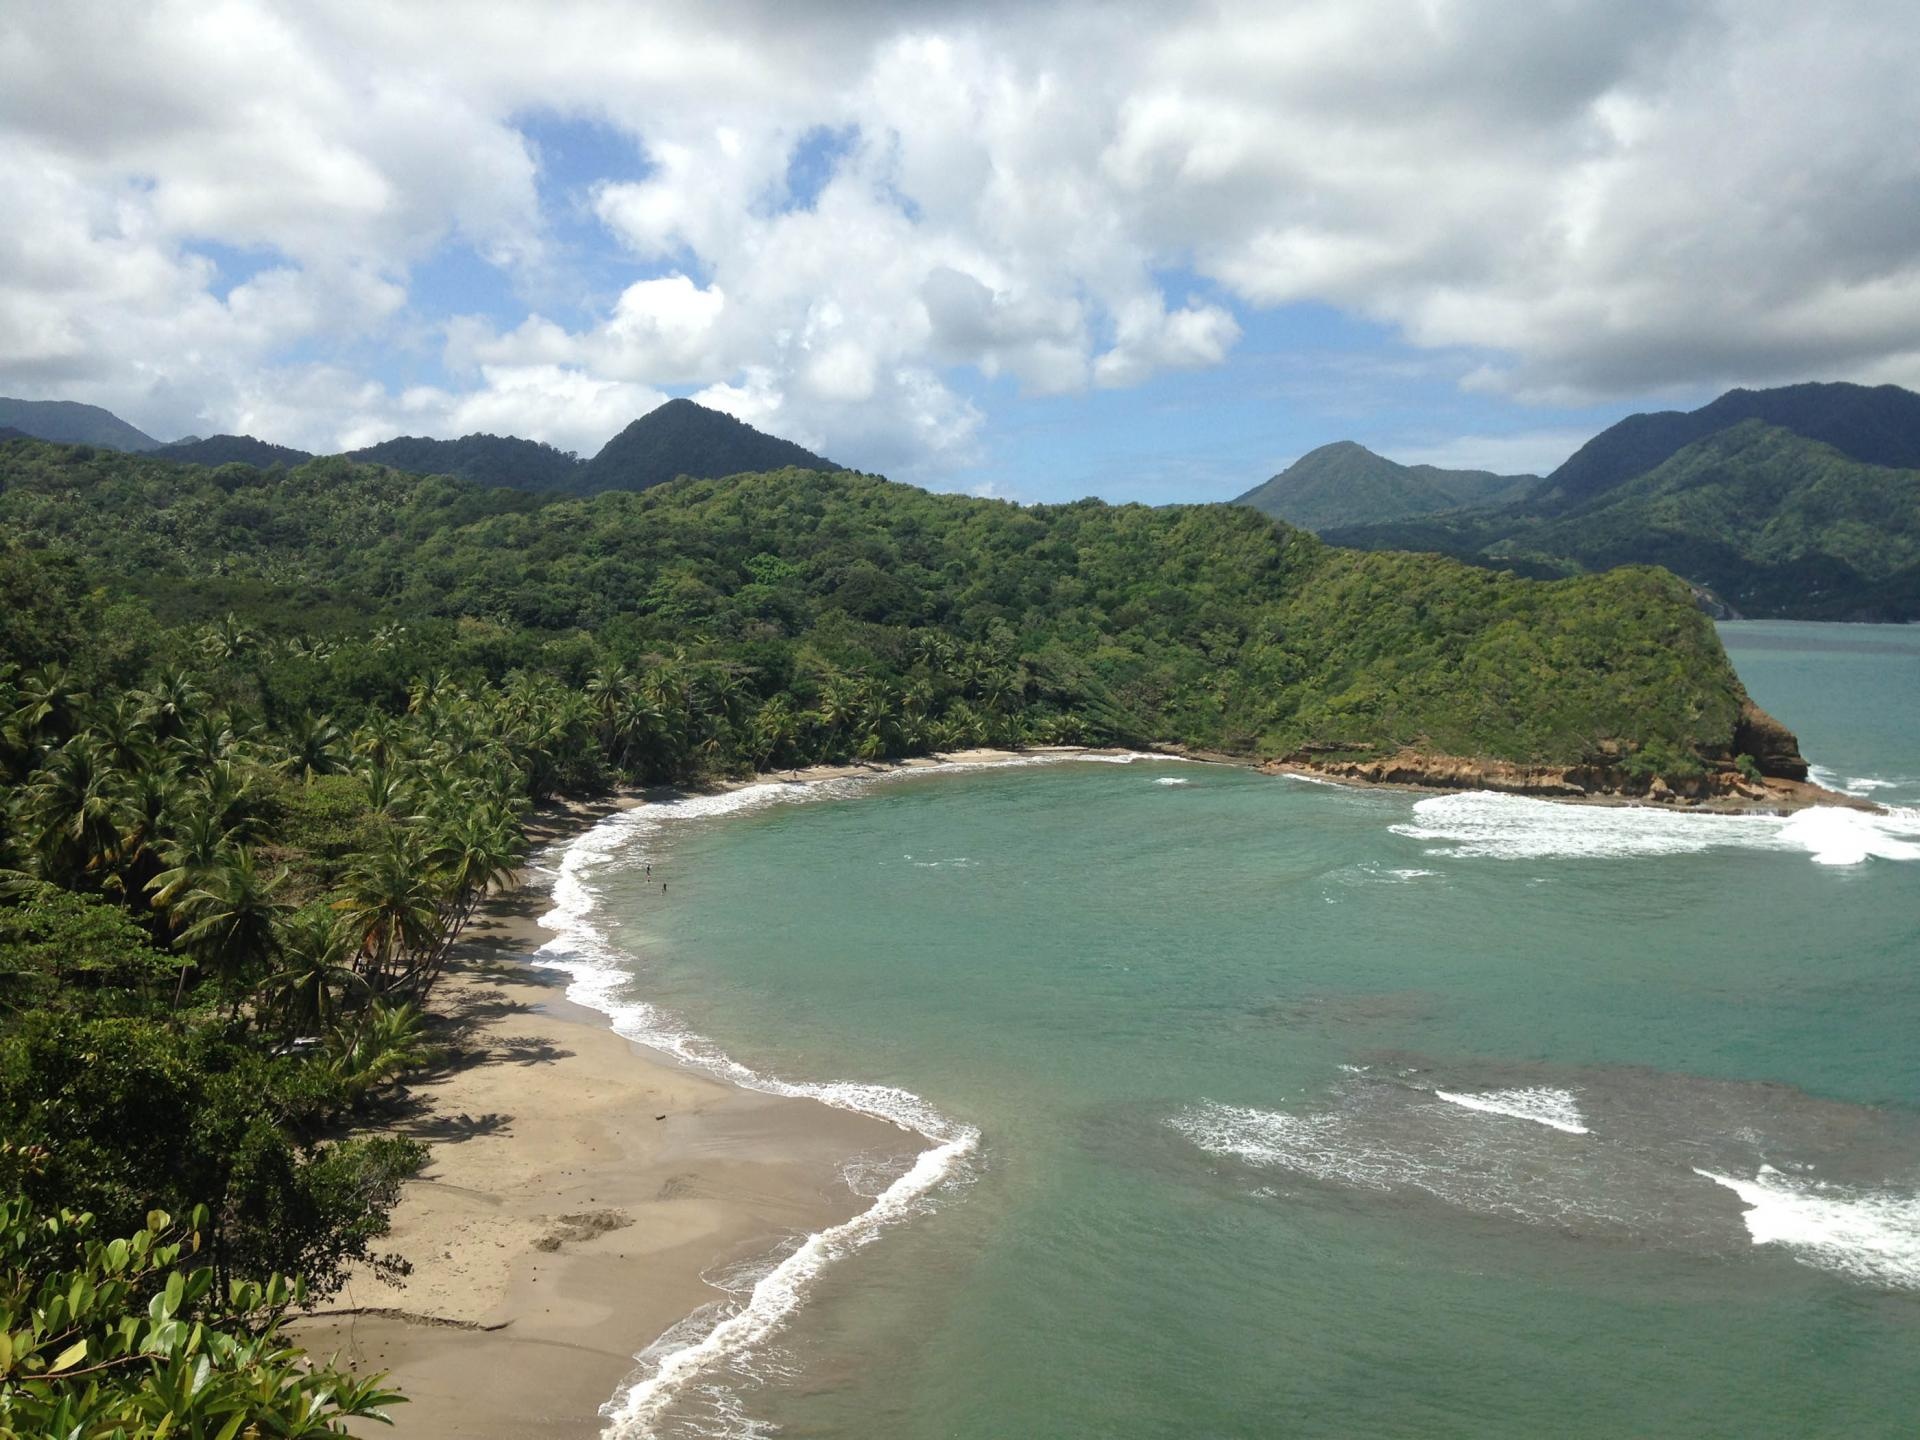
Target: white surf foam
(1542,1104)
(598,976)
(1482,825)
(1172,780)
(1871,1235)
(1851,784)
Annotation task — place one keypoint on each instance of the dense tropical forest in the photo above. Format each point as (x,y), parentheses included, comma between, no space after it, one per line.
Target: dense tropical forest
(270,736)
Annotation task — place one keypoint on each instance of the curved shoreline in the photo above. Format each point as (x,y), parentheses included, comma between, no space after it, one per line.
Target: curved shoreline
(618,1333)
(587,1193)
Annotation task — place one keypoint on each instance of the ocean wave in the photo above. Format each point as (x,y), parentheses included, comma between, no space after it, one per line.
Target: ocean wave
(1541,1104)
(1831,1185)
(1172,780)
(1871,1235)
(1862,785)
(1480,824)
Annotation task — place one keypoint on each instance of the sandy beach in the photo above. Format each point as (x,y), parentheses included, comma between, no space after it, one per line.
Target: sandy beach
(578,1188)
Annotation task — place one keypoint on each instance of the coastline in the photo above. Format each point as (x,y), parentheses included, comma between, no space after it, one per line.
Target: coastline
(581,1187)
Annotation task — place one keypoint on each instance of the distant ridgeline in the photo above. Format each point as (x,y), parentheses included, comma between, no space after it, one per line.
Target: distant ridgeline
(678,438)
(825,614)
(1802,502)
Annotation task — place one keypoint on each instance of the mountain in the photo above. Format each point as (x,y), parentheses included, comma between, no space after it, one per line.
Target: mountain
(1347,484)
(12,432)
(1797,503)
(483,459)
(682,438)
(1879,425)
(232,450)
(69,423)
(1770,521)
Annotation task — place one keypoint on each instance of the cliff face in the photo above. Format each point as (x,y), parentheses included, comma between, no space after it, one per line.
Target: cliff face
(1774,748)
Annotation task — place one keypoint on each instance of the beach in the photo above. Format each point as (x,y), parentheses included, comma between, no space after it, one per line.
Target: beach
(579,1188)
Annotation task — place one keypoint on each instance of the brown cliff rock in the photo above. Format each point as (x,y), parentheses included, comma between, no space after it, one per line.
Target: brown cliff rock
(1774,748)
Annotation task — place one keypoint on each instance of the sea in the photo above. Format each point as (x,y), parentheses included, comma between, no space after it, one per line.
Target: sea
(1253,1106)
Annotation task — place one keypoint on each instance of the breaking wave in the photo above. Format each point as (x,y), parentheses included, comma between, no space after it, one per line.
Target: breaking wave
(1480,824)
(1834,1186)
(1542,1105)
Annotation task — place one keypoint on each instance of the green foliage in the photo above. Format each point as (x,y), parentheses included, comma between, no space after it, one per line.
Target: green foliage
(844,595)
(682,438)
(1345,484)
(220,450)
(483,459)
(64,951)
(130,1337)
(1769,519)
(127,1115)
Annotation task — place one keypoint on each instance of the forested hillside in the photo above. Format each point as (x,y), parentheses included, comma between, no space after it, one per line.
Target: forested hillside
(682,438)
(483,459)
(70,423)
(1801,502)
(1770,522)
(879,617)
(1345,484)
(231,450)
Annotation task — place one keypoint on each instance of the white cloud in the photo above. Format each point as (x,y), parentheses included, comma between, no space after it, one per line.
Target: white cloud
(1605,198)
(1527,452)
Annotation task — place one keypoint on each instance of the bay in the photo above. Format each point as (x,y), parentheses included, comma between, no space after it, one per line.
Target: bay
(1311,1111)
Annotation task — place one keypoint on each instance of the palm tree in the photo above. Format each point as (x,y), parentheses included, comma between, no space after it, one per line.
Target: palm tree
(839,706)
(477,852)
(384,1041)
(775,728)
(153,797)
(228,793)
(315,746)
(232,919)
(390,911)
(73,814)
(609,690)
(378,738)
(227,639)
(315,970)
(46,706)
(169,704)
(206,739)
(198,842)
(120,729)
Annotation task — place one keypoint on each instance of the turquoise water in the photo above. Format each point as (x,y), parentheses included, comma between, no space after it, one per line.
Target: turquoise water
(1309,1111)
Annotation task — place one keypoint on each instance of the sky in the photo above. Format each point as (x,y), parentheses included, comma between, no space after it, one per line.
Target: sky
(1143,251)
